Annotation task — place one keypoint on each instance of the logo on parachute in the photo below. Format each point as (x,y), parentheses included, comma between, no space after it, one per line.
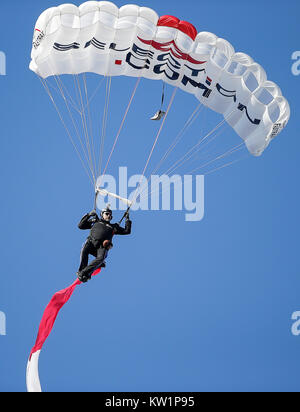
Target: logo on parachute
(171,61)
(277,127)
(171,47)
(38,37)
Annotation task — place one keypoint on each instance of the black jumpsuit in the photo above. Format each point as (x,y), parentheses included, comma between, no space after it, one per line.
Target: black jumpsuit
(100,231)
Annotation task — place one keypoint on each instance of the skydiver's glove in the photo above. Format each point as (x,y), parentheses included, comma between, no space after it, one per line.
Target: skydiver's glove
(92,216)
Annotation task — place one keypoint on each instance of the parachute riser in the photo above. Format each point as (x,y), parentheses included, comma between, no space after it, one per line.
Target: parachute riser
(125,214)
(95,201)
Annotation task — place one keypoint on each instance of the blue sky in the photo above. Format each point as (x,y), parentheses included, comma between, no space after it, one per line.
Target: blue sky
(182,306)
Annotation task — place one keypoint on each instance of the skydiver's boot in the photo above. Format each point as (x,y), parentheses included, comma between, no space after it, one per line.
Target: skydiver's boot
(79,276)
(82,277)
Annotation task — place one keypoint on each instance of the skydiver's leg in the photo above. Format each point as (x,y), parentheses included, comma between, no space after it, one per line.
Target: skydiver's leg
(86,250)
(87,272)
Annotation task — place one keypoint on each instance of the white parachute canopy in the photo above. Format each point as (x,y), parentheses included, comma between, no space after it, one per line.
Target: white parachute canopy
(133,41)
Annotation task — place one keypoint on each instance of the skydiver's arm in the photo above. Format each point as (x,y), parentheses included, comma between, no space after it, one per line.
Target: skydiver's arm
(124,231)
(88,221)
(84,223)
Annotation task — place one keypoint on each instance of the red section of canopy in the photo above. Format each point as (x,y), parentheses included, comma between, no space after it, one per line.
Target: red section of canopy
(174,22)
(50,314)
(171,47)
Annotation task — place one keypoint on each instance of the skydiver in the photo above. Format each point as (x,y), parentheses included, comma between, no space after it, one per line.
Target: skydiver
(99,241)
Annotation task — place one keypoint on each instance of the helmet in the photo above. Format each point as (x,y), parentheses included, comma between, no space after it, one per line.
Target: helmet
(106,211)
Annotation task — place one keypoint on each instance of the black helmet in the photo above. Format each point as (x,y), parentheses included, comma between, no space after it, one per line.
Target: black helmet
(107,210)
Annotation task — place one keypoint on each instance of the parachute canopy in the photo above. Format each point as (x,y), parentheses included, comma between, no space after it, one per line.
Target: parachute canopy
(133,41)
